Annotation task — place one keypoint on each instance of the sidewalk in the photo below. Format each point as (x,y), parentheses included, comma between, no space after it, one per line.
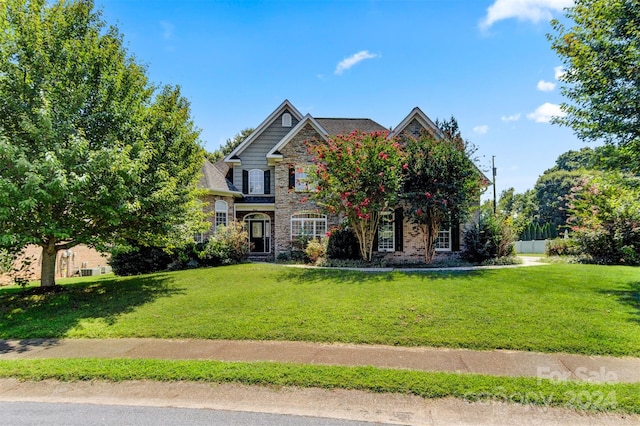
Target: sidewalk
(336,403)
(494,362)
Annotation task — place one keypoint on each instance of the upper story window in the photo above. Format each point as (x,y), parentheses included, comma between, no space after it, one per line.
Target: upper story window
(286,120)
(222,213)
(301,181)
(256,181)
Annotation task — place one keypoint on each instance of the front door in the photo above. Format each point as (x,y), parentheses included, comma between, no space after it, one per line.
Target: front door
(259,234)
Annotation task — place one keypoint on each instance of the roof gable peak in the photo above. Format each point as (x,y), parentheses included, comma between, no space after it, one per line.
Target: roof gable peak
(284,106)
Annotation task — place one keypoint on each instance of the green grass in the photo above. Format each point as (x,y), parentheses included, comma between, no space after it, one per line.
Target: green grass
(584,309)
(471,387)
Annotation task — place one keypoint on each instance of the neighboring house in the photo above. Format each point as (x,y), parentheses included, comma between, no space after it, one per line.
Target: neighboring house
(77,261)
(262,183)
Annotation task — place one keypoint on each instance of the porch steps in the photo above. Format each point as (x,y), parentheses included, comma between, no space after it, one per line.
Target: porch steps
(262,257)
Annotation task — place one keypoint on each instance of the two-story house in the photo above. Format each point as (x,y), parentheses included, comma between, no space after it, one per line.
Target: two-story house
(262,183)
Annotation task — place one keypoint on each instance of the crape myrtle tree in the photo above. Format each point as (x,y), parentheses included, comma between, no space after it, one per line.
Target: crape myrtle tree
(602,82)
(441,183)
(90,152)
(358,176)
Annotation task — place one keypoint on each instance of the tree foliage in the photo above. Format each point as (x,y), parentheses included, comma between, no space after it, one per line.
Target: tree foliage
(440,183)
(551,191)
(358,175)
(90,153)
(229,145)
(605,215)
(602,59)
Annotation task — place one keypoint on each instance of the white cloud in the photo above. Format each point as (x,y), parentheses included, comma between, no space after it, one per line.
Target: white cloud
(546,86)
(352,60)
(545,112)
(481,130)
(508,118)
(559,72)
(167,30)
(523,10)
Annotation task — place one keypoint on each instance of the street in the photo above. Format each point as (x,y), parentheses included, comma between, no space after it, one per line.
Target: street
(50,414)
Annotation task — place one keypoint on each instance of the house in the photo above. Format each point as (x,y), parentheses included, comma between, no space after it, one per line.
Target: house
(261,183)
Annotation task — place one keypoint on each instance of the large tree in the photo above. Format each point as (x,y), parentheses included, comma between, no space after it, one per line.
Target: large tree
(601,55)
(441,182)
(89,152)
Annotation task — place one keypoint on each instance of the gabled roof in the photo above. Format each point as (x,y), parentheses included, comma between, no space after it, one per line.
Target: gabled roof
(286,105)
(274,155)
(343,126)
(215,182)
(422,118)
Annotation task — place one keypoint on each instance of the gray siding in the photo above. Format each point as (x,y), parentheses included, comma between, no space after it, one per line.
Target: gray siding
(255,155)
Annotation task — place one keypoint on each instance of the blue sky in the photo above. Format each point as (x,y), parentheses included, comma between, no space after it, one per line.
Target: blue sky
(488,63)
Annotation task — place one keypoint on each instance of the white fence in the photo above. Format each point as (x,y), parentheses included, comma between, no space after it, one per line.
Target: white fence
(537,246)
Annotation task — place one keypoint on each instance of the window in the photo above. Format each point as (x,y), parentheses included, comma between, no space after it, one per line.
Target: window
(311,225)
(256,181)
(386,234)
(198,238)
(301,182)
(221,210)
(443,242)
(286,120)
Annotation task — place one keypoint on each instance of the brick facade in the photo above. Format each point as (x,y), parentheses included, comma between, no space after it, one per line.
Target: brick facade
(288,200)
(209,201)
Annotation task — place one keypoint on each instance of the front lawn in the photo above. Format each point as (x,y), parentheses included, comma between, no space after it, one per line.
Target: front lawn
(571,308)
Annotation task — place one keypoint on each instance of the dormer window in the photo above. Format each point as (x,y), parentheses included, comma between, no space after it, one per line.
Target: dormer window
(286,120)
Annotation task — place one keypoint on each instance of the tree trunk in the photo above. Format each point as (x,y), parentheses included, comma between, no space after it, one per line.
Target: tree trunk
(48,271)
(429,235)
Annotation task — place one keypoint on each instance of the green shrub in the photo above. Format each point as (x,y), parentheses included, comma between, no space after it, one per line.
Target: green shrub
(606,246)
(228,246)
(136,259)
(343,245)
(561,247)
(489,237)
(189,256)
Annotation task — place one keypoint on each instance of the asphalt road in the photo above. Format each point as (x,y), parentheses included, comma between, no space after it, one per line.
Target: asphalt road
(54,414)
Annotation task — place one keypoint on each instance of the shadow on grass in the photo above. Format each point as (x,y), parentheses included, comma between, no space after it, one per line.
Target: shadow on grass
(345,276)
(630,297)
(32,316)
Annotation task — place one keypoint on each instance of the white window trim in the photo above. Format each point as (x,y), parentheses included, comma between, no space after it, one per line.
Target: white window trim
(314,218)
(444,249)
(387,218)
(286,120)
(221,206)
(253,173)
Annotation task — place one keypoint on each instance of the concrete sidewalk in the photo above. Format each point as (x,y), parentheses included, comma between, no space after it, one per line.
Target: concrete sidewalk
(557,366)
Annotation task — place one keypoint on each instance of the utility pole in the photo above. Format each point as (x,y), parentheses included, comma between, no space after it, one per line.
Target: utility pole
(493,166)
